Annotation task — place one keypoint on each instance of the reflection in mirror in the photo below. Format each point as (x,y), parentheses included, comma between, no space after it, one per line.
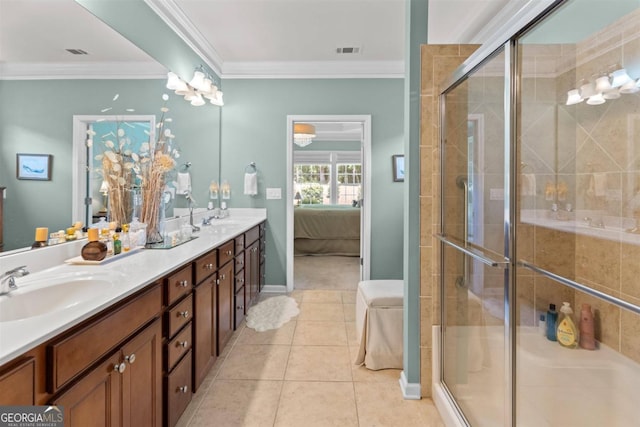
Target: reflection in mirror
(44,86)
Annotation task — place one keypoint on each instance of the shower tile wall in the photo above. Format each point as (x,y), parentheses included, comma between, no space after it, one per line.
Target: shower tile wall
(438,62)
(579,141)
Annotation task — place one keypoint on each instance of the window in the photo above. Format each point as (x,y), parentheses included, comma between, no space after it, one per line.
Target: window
(327,177)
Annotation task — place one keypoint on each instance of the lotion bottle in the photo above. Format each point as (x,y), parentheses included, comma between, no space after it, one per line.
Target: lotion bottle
(567,333)
(587,336)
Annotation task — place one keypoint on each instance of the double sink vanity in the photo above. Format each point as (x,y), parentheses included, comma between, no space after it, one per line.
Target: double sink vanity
(127,342)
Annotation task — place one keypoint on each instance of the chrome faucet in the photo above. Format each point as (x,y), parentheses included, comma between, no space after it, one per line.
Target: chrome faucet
(8,279)
(194,227)
(592,223)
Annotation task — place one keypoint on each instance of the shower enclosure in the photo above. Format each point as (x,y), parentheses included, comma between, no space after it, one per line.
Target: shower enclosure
(540,205)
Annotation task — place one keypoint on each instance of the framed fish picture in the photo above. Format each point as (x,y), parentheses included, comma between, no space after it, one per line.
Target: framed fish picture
(34,166)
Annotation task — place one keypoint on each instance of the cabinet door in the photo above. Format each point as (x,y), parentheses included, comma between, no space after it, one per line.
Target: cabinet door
(17,383)
(252,270)
(204,345)
(225,293)
(142,379)
(95,399)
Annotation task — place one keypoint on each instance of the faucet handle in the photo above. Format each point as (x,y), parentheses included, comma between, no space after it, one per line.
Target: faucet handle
(20,271)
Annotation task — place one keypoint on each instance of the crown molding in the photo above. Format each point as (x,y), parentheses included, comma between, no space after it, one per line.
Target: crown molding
(313,70)
(94,70)
(178,21)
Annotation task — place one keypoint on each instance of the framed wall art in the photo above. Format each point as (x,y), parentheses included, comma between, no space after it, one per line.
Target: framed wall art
(34,166)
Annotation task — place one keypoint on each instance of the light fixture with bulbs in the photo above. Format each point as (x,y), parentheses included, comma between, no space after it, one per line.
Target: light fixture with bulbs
(200,87)
(303,134)
(603,87)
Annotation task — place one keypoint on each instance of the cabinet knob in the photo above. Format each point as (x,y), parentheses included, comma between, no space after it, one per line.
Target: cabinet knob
(120,367)
(183,389)
(222,277)
(209,266)
(184,283)
(229,252)
(184,314)
(241,262)
(182,344)
(131,358)
(240,307)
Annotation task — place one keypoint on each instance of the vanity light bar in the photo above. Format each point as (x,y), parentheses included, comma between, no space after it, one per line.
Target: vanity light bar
(603,86)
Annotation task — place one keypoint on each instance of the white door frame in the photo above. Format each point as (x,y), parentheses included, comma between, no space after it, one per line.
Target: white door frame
(365,216)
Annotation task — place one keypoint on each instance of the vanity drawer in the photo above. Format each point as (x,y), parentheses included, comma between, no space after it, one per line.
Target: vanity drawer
(225,252)
(70,355)
(178,346)
(205,266)
(239,281)
(240,261)
(179,316)
(178,390)
(239,243)
(252,235)
(178,284)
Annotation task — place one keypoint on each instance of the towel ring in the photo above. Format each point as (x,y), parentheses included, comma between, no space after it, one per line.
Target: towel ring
(251,168)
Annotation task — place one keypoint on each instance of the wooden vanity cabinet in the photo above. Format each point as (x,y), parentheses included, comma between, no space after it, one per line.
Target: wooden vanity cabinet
(263,243)
(123,390)
(204,317)
(178,341)
(225,294)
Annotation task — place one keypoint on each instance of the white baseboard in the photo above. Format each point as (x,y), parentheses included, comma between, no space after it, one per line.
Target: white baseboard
(274,289)
(410,391)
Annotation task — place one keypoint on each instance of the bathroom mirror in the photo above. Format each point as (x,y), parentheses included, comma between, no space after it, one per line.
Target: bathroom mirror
(75,65)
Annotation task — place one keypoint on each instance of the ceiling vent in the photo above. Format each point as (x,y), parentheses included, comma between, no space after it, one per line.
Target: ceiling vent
(348,50)
(76,51)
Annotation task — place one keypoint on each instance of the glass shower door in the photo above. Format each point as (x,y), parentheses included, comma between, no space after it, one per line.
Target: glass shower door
(474,246)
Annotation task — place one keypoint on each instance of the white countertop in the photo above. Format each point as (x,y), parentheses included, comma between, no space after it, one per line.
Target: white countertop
(131,273)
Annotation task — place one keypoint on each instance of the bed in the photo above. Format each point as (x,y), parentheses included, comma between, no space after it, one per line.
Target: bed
(326,230)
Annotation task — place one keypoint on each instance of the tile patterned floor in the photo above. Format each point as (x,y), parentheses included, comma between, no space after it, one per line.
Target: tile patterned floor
(303,375)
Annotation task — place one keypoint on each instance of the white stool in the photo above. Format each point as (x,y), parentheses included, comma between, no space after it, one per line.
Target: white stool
(379,308)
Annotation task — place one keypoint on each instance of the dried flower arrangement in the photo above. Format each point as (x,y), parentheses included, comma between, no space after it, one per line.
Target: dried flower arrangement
(148,170)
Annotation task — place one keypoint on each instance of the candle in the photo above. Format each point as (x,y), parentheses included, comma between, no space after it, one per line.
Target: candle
(41,234)
(92,234)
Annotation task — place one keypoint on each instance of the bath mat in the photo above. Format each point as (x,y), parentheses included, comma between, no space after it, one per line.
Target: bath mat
(272,313)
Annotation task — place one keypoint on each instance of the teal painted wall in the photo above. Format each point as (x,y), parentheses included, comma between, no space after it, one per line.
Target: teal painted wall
(37,118)
(254,129)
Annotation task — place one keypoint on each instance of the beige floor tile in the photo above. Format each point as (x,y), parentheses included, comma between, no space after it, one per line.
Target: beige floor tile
(349,312)
(255,362)
(296,294)
(282,335)
(320,333)
(322,296)
(321,311)
(382,404)
(321,404)
(318,363)
(239,403)
(352,335)
(348,297)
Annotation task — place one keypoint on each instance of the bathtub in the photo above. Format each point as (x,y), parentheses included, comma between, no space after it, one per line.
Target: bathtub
(555,386)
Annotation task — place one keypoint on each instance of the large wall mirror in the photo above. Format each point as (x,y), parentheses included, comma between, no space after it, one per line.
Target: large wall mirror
(75,65)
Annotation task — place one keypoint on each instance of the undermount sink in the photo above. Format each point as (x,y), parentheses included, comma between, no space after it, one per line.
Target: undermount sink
(47,294)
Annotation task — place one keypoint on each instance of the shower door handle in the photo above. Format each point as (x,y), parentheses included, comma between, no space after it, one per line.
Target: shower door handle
(462,282)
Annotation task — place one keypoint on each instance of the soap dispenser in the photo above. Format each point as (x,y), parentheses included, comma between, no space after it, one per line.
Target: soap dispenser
(95,250)
(551,322)
(567,332)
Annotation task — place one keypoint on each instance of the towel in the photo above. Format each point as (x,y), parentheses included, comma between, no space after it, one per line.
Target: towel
(528,184)
(184,183)
(600,184)
(251,184)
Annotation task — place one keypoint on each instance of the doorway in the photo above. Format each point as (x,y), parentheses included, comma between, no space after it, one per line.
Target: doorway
(332,170)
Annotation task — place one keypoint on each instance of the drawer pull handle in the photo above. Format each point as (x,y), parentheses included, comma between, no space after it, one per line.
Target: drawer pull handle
(240,307)
(183,389)
(119,367)
(229,252)
(131,358)
(184,314)
(182,344)
(184,283)
(222,277)
(209,266)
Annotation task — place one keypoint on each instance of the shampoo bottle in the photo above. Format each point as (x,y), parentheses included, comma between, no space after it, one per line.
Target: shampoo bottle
(552,319)
(587,336)
(567,332)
